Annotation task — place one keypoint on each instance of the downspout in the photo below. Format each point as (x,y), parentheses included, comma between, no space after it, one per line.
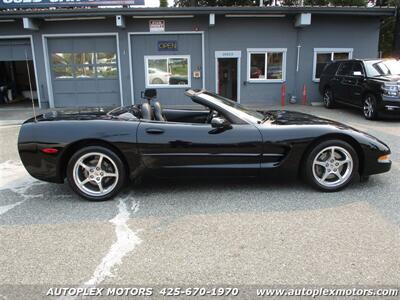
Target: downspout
(396,38)
(297,69)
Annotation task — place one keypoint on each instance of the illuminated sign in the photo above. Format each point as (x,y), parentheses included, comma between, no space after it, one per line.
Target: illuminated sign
(167,46)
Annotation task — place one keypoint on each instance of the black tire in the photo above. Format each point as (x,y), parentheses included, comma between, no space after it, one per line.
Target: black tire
(157,81)
(111,165)
(328,98)
(312,171)
(370,107)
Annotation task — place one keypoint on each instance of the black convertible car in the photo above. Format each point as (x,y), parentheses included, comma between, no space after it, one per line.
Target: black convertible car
(97,152)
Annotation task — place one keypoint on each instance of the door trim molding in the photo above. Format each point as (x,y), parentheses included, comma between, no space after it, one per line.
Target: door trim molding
(229,54)
(45,38)
(30,37)
(130,34)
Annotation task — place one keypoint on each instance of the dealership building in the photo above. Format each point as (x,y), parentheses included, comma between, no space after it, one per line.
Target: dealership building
(79,57)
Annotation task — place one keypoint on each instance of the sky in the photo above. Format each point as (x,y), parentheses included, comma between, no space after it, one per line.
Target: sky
(156,3)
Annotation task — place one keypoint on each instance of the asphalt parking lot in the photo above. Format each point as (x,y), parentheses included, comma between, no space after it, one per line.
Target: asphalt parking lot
(198,233)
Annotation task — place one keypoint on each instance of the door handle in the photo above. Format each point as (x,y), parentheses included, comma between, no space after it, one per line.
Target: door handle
(155,130)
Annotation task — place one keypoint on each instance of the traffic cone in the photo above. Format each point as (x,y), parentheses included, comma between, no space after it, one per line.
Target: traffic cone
(283,94)
(304,95)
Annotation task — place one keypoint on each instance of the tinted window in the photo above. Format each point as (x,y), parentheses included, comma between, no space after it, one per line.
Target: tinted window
(357,67)
(344,69)
(330,69)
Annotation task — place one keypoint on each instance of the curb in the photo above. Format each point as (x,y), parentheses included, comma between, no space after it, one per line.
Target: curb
(11,122)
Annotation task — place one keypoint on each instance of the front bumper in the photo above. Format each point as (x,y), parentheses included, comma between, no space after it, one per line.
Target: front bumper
(390,104)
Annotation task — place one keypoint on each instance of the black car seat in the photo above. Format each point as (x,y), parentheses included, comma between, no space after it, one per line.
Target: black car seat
(158,112)
(146,111)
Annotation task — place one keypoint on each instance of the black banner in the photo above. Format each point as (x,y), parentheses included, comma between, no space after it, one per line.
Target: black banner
(11,4)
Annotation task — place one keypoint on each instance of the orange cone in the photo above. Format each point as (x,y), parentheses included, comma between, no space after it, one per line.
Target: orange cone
(304,95)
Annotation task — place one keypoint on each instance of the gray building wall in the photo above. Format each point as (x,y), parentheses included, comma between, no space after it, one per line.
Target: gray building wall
(359,33)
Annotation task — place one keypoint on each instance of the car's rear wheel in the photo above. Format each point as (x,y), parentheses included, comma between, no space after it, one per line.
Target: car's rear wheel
(157,81)
(329,101)
(331,165)
(96,173)
(370,107)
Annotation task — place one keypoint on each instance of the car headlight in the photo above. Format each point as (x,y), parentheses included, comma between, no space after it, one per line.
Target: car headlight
(384,158)
(390,89)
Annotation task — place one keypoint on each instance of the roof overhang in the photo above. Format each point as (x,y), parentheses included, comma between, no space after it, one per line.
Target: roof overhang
(196,11)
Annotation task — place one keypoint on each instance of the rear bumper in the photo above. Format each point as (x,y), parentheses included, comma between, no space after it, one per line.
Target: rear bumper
(38,164)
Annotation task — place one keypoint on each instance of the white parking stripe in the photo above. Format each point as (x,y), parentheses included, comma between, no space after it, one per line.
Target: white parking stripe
(14,177)
(6,208)
(127,240)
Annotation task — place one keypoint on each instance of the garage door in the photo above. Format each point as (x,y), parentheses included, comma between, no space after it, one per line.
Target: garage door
(84,71)
(15,49)
(168,62)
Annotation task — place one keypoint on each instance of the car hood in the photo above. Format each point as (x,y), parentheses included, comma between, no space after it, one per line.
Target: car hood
(286,117)
(387,78)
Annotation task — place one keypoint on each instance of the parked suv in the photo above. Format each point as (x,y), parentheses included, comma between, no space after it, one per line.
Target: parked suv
(373,85)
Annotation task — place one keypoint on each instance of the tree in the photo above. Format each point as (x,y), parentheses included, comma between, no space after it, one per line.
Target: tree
(186,3)
(316,2)
(163,3)
(349,2)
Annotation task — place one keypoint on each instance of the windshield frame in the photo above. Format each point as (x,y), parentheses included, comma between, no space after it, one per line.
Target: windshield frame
(373,65)
(211,100)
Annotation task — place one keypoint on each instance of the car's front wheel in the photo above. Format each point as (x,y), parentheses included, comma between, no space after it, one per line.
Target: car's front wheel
(96,173)
(157,81)
(370,107)
(329,101)
(331,165)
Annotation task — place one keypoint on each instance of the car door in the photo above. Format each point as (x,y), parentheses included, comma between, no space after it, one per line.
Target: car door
(342,88)
(355,83)
(198,149)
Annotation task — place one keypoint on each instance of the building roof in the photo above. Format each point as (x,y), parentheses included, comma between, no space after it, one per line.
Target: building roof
(176,11)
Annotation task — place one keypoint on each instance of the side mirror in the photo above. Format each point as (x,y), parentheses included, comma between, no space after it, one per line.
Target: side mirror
(358,73)
(218,122)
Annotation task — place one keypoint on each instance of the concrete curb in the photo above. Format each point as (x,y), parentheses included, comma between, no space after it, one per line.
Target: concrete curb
(11,122)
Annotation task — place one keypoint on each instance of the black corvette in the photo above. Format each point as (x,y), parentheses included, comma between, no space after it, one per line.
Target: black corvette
(98,152)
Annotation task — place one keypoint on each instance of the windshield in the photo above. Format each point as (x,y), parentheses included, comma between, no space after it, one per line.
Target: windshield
(382,67)
(236,105)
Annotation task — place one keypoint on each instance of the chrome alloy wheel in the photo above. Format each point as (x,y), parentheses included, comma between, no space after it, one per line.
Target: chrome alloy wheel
(332,166)
(368,107)
(95,174)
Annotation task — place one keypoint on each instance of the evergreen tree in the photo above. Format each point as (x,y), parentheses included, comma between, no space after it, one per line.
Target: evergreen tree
(163,3)
(186,3)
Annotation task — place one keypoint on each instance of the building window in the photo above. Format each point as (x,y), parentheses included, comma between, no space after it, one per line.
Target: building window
(101,65)
(322,56)
(266,65)
(167,71)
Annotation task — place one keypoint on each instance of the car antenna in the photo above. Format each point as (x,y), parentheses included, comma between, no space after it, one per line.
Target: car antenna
(30,85)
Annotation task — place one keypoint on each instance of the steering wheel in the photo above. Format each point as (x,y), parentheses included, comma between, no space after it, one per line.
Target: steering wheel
(211,115)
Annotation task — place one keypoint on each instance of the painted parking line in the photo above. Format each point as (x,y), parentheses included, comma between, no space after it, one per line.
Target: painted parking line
(14,177)
(126,241)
